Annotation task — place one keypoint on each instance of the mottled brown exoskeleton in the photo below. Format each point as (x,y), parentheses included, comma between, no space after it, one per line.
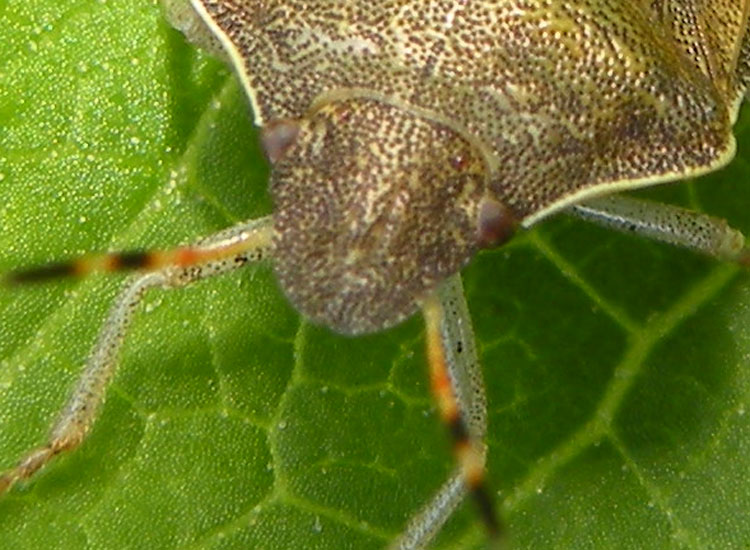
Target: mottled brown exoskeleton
(407,135)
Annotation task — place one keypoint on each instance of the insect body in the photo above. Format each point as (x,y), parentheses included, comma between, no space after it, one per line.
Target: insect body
(406,136)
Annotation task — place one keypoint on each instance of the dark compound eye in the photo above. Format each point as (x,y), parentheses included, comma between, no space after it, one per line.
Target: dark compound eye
(495,223)
(277,137)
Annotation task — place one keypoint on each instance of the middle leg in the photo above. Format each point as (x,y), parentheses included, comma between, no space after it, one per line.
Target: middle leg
(227,250)
(667,223)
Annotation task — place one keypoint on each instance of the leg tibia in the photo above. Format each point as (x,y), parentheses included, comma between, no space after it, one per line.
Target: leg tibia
(423,527)
(667,223)
(230,249)
(182,16)
(458,387)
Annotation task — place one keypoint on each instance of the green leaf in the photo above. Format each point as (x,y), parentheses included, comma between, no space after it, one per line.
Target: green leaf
(617,370)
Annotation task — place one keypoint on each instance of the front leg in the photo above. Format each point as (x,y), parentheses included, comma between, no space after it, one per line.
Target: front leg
(457,384)
(225,251)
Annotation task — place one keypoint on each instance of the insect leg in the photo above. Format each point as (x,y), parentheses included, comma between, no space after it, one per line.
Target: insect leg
(459,389)
(227,250)
(667,223)
(183,17)
(216,247)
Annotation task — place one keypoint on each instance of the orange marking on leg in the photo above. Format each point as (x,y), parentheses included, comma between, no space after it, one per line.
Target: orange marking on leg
(81,267)
(440,380)
(470,462)
(110,262)
(90,264)
(186,257)
(467,452)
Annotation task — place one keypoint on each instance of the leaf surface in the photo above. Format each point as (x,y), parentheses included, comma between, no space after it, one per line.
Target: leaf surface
(617,370)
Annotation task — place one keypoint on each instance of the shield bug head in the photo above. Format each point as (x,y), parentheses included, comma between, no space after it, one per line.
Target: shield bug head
(547,380)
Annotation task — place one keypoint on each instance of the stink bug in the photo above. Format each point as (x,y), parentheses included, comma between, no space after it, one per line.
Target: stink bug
(629,133)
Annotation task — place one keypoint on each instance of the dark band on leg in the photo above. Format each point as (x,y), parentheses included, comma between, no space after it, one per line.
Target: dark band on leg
(468,455)
(41,274)
(135,259)
(486,510)
(458,431)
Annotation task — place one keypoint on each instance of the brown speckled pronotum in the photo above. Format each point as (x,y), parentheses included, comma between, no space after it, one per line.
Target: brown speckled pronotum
(405,135)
